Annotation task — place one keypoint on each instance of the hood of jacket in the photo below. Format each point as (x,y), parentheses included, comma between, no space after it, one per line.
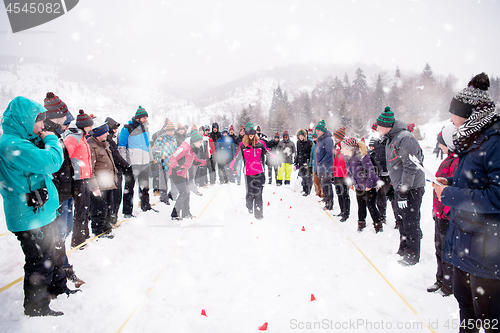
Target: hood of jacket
(19,117)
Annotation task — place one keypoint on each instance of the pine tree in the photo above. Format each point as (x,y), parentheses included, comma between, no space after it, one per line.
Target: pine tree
(378,98)
(244,117)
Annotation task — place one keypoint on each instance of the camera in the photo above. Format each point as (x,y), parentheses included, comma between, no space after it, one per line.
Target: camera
(37,198)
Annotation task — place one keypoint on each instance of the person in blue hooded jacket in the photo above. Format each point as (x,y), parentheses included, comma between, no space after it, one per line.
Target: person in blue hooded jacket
(30,201)
(472,242)
(324,162)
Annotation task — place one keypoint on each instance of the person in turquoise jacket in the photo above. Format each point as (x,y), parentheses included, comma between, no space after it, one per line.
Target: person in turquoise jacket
(30,201)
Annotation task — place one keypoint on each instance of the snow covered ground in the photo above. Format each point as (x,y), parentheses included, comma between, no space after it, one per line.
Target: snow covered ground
(157,275)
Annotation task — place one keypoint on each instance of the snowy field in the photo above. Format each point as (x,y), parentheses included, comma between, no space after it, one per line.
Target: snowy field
(158,275)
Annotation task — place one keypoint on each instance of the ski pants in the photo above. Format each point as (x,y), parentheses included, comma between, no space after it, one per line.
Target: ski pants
(181,207)
(255,185)
(409,229)
(81,216)
(285,171)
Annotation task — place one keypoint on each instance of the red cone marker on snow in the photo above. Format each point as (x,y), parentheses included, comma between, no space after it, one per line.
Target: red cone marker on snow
(263,327)
(203,313)
(268,203)
(303,228)
(312,297)
(281,199)
(290,207)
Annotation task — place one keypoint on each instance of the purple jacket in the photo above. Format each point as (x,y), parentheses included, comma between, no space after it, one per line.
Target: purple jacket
(360,169)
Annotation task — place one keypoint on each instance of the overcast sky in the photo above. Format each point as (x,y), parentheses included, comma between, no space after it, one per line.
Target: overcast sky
(217,41)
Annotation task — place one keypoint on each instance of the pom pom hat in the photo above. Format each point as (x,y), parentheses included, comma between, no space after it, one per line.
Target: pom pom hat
(83,120)
(386,118)
(249,129)
(140,113)
(195,136)
(340,133)
(472,96)
(321,126)
(55,107)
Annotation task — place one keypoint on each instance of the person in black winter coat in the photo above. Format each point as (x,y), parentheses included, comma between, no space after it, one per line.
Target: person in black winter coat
(274,161)
(215,135)
(302,161)
(121,166)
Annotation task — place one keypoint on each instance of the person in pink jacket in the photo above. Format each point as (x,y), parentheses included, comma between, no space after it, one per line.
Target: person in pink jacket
(79,153)
(340,176)
(252,151)
(179,163)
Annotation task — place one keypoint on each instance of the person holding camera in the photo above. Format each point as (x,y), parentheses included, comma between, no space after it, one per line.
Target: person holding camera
(31,202)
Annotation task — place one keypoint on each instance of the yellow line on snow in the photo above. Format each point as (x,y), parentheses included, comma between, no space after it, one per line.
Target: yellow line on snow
(382,275)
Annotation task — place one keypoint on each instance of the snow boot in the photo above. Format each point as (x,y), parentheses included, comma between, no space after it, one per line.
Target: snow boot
(344,218)
(287,182)
(71,276)
(379,227)
(361,225)
(435,287)
(43,313)
(279,182)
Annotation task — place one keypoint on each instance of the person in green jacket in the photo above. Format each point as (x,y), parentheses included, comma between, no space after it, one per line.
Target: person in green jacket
(30,201)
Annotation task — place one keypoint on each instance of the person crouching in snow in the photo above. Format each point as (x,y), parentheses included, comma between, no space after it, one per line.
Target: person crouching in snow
(180,162)
(364,179)
(252,151)
(288,150)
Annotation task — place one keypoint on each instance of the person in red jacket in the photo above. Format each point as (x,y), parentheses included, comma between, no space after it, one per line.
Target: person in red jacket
(180,162)
(444,274)
(340,176)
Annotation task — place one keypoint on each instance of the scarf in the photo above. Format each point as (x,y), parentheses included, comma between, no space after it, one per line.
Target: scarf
(482,117)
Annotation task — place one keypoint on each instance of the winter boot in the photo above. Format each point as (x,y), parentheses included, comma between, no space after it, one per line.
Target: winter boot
(435,287)
(361,225)
(43,312)
(71,276)
(287,182)
(379,227)
(279,182)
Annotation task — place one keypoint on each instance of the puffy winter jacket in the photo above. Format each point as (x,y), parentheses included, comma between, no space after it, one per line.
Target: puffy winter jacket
(133,143)
(403,172)
(24,167)
(225,150)
(473,237)
(339,165)
(303,152)
(183,158)
(253,157)
(163,148)
(361,170)
(287,149)
(324,153)
(79,153)
(103,166)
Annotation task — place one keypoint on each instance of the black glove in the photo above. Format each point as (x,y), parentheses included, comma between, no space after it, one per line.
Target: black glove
(390,194)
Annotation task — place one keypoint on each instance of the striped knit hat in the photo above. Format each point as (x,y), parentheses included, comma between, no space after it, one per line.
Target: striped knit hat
(350,142)
(55,107)
(386,118)
(340,133)
(83,120)
(374,127)
(411,127)
(195,136)
(285,133)
(249,129)
(140,113)
(100,130)
(231,128)
(321,126)
(170,126)
(277,135)
(474,95)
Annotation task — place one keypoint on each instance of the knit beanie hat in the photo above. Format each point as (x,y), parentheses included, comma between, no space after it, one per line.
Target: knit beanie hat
(195,136)
(207,127)
(350,142)
(231,128)
(386,118)
(69,119)
(55,107)
(170,126)
(140,113)
(83,120)
(285,133)
(411,127)
(179,126)
(277,135)
(447,134)
(374,127)
(112,124)
(194,128)
(315,135)
(258,128)
(100,130)
(249,129)
(321,126)
(340,133)
(225,130)
(475,94)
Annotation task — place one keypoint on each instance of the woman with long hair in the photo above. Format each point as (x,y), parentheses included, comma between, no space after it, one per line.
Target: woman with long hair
(252,151)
